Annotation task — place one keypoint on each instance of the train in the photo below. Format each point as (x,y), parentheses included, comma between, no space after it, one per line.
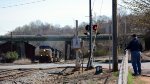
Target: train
(45,53)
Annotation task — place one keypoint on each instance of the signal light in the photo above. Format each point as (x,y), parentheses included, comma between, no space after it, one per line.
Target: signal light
(87,28)
(94,27)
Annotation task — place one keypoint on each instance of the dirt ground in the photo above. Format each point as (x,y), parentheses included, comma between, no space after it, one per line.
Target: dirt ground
(89,77)
(65,76)
(69,76)
(141,80)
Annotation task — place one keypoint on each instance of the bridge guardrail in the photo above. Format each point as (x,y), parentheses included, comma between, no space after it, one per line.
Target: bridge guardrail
(123,73)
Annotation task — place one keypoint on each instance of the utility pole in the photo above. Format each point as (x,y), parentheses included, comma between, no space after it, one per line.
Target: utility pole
(76,27)
(115,42)
(90,61)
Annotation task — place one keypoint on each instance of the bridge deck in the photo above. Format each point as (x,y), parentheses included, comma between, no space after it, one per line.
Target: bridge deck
(49,37)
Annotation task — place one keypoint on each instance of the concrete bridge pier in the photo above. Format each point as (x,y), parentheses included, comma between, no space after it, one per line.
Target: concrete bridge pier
(22,49)
(67,50)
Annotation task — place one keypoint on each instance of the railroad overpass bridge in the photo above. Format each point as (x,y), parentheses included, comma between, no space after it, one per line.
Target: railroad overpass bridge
(54,37)
(27,38)
(50,37)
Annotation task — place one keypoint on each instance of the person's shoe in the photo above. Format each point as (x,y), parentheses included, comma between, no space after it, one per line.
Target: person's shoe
(134,74)
(139,73)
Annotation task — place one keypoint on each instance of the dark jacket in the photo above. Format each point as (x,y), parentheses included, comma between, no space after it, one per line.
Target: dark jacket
(134,45)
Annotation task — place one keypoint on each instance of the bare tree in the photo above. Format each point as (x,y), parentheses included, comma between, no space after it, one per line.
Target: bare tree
(141,10)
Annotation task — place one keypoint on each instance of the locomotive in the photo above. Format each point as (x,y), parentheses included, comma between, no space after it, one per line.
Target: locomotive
(45,53)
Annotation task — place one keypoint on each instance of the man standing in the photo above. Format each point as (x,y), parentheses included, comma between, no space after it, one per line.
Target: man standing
(135,48)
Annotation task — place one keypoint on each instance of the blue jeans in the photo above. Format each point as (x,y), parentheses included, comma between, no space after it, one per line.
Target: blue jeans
(136,61)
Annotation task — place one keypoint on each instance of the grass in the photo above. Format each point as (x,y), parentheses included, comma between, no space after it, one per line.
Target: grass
(116,74)
(130,77)
(134,79)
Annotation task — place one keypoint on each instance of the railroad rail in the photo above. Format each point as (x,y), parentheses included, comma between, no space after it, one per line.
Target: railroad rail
(14,73)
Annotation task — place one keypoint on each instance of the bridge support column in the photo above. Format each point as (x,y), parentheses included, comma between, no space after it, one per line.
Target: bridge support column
(67,50)
(22,49)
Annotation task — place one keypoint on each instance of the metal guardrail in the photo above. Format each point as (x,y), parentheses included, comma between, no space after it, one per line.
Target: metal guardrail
(123,73)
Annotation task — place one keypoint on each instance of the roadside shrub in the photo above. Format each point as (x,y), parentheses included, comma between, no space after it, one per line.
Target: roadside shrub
(11,56)
(97,53)
(101,52)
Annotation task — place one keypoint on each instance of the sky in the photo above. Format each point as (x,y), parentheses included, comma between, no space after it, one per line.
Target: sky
(15,13)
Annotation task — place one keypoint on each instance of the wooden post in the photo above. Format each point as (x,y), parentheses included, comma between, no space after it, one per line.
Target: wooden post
(114,18)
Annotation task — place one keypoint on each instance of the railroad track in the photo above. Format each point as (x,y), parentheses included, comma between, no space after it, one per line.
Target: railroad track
(14,73)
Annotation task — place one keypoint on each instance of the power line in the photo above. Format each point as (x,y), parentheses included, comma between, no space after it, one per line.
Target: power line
(21,4)
(93,5)
(122,6)
(101,7)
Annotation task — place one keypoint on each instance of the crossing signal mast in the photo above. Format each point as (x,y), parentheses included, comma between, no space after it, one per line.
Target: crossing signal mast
(89,28)
(114,19)
(89,33)
(90,60)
